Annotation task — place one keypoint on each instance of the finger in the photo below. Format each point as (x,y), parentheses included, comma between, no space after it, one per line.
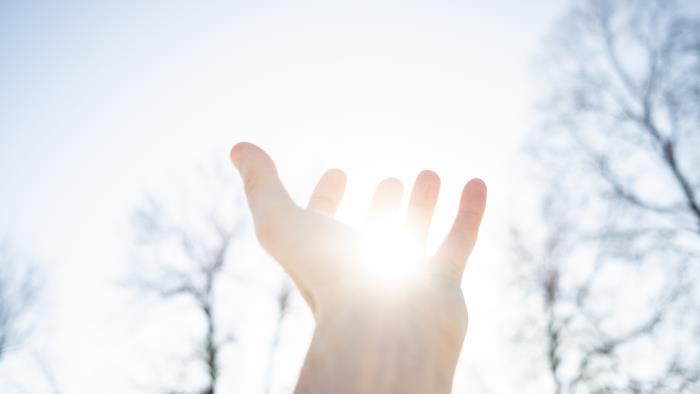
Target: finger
(328,192)
(386,200)
(266,195)
(422,205)
(455,249)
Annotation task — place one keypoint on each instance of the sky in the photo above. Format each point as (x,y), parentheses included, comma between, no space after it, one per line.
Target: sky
(102,103)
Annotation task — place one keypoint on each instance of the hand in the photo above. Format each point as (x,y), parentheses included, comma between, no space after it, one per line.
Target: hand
(324,259)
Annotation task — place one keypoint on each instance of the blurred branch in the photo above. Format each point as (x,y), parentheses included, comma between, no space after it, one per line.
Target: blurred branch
(622,185)
(283,299)
(19,288)
(197,256)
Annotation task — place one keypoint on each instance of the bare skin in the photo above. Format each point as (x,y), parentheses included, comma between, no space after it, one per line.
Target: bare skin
(369,338)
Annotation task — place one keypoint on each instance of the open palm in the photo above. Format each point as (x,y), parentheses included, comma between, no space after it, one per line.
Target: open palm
(321,254)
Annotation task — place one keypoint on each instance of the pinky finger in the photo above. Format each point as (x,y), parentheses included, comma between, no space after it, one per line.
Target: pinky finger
(452,255)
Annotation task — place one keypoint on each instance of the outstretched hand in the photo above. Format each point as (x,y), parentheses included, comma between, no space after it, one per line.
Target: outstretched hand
(324,257)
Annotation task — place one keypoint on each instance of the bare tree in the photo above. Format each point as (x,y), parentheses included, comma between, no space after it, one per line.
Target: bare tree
(188,252)
(19,286)
(614,267)
(283,308)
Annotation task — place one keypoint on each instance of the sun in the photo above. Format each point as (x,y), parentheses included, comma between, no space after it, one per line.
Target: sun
(390,255)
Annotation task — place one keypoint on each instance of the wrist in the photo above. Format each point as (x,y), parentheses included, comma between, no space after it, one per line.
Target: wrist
(381,345)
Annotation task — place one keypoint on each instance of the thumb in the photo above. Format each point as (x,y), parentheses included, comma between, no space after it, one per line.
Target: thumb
(267,198)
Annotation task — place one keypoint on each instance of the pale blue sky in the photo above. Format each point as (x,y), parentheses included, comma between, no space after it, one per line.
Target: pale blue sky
(101,102)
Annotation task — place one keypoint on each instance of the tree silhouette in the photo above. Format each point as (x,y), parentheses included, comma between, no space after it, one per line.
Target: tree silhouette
(188,255)
(19,287)
(614,266)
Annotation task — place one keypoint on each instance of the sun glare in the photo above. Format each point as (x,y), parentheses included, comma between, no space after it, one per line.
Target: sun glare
(390,255)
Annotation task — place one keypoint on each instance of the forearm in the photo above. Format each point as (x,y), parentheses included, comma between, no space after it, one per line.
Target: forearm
(377,351)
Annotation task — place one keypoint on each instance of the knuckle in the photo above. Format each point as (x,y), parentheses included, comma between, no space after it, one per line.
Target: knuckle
(272,224)
(264,224)
(264,231)
(250,183)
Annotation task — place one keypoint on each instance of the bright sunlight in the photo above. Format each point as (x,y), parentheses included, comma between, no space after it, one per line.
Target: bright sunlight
(390,254)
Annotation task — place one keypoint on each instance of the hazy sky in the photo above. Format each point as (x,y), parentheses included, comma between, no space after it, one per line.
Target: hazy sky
(100,103)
